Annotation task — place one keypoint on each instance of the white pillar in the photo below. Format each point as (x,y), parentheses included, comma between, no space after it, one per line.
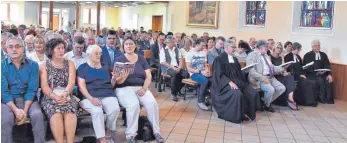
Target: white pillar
(166,21)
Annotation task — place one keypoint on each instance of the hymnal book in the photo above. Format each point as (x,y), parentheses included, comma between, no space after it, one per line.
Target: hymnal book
(249,66)
(308,65)
(322,70)
(287,63)
(121,68)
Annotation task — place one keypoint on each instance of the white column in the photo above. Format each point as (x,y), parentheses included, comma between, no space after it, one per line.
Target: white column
(166,21)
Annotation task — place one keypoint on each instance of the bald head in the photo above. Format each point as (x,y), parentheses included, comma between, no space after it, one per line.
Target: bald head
(29,43)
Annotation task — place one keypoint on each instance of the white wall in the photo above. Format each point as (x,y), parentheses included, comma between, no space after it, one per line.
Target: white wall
(145,13)
(31,9)
(278,26)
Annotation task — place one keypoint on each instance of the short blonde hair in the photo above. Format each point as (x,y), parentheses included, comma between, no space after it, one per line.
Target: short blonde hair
(276,45)
(92,48)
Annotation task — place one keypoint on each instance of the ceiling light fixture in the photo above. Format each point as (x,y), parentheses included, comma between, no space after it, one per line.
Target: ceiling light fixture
(147,2)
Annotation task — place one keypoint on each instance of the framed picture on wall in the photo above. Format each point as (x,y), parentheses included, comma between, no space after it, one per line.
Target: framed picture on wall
(202,14)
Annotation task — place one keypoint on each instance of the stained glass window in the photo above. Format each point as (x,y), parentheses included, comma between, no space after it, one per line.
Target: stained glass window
(255,12)
(317,14)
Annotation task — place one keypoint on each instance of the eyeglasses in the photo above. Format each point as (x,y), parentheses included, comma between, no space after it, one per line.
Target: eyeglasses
(15,46)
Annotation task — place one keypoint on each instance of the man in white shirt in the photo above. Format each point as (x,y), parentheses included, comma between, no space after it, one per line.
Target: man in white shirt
(29,45)
(77,56)
(170,59)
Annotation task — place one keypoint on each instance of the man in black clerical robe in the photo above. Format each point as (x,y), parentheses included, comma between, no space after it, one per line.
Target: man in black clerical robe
(232,96)
(323,79)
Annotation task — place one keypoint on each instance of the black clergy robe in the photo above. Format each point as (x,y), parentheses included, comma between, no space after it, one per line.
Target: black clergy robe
(324,90)
(305,90)
(231,104)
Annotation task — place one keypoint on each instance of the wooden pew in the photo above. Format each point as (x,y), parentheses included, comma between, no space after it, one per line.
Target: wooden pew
(339,73)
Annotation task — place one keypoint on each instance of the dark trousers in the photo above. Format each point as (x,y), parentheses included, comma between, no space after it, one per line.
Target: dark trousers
(176,80)
(36,120)
(324,90)
(205,84)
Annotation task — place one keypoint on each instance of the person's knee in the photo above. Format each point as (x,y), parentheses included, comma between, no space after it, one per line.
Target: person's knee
(281,88)
(269,89)
(133,106)
(36,115)
(7,120)
(96,111)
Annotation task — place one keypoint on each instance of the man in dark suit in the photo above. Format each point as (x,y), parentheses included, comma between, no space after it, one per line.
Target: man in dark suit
(143,43)
(109,53)
(155,50)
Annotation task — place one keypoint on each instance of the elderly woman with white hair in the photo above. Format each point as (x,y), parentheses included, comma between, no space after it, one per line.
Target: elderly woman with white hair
(96,85)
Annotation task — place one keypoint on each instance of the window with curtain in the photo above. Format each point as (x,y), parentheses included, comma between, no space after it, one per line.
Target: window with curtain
(3,12)
(256,13)
(92,16)
(317,14)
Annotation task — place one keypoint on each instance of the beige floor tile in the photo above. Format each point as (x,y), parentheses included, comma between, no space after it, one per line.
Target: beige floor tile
(173,118)
(232,130)
(268,140)
(297,131)
(301,141)
(168,122)
(213,140)
(216,128)
(200,126)
(319,139)
(165,135)
(315,132)
(232,136)
(174,141)
(201,121)
(184,119)
(195,139)
(180,130)
(302,137)
(197,132)
(250,138)
(215,134)
(284,140)
(284,135)
(177,137)
(184,124)
(250,132)
(267,134)
(232,141)
(166,128)
(337,140)
(332,134)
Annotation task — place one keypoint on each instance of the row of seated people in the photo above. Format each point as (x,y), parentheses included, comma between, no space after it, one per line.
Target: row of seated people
(282,85)
(23,79)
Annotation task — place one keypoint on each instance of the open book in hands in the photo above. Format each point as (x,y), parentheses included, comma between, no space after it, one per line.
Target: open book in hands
(249,66)
(308,65)
(121,68)
(286,64)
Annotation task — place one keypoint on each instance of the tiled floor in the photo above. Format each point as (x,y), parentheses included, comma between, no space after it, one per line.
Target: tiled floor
(182,122)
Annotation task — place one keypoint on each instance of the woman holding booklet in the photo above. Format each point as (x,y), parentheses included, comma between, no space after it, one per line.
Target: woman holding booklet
(132,89)
(287,98)
(305,87)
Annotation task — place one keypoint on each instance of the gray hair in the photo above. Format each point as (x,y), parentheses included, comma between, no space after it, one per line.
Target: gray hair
(296,45)
(169,38)
(190,39)
(261,43)
(315,41)
(229,42)
(92,48)
(21,42)
(7,35)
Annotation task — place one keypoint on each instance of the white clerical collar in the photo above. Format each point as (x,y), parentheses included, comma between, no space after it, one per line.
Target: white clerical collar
(317,56)
(231,59)
(295,58)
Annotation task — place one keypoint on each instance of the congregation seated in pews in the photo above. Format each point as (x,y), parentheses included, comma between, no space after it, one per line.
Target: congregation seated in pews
(54,75)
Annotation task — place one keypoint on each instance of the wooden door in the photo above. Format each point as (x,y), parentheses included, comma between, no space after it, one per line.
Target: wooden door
(157,23)
(55,22)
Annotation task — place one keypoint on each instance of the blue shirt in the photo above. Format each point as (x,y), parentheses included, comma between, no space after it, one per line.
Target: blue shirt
(98,81)
(19,82)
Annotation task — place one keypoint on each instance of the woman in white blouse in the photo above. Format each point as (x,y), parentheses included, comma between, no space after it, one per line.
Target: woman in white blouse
(39,54)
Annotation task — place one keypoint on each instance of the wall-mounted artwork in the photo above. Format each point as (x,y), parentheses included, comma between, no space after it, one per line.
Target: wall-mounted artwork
(317,14)
(256,13)
(202,14)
